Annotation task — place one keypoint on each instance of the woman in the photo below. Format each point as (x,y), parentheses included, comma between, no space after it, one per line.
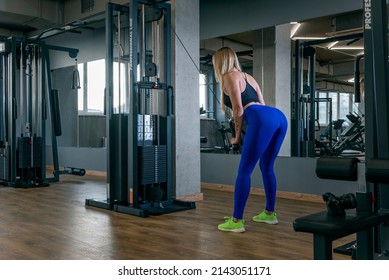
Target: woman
(265,132)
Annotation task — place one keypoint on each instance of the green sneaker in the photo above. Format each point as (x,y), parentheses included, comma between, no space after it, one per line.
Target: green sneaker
(265,218)
(230,225)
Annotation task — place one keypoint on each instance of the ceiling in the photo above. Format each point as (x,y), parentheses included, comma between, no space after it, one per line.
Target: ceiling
(339,40)
(338,54)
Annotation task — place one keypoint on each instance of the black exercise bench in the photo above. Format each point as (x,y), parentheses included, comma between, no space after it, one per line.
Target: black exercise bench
(326,228)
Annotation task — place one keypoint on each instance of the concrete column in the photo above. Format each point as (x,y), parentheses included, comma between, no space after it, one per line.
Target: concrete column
(185,74)
(272,69)
(264,62)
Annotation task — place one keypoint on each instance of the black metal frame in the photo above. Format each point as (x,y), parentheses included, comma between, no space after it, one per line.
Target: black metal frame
(376,111)
(18,148)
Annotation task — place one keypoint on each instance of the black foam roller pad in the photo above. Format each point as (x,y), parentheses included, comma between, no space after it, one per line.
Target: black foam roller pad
(337,168)
(377,171)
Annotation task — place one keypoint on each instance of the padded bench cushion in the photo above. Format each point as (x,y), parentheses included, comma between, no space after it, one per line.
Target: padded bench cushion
(337,168)
(336,227)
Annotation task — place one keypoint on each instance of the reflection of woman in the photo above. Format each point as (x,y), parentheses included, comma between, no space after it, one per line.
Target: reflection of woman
(266,129)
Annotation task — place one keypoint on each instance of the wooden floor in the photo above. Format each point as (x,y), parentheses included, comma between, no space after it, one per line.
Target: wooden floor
(53,223)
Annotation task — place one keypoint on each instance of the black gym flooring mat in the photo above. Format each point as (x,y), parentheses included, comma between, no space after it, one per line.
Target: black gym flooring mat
(175,207)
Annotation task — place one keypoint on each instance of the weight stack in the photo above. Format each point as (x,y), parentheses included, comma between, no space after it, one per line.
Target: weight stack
(29,152)
(147,129)
(152,162)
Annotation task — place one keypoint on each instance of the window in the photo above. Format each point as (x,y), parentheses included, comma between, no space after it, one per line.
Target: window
(91,94)
(95,87)
(81,90)
(120,88)
(323,108)
(334,98)
(203,93)
(342,105)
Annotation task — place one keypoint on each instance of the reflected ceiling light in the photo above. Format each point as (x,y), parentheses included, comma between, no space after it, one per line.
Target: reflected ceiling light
(332,44)
(347,48)
(309,38)
(294,28)
(345,32)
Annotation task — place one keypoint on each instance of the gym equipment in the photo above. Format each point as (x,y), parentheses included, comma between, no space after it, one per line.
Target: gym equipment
(76,78)
(226,139)
(370,220)
(139,110)
(25,89)
(341,219)
(350,139)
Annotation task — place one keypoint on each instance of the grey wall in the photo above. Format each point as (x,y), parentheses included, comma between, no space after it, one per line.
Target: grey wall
(90,43)
(293,174)
(87,158)
(91,129)
(62,81)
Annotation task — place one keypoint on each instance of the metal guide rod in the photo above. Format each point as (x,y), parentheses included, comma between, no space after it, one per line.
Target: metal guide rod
(23,121)
(119,159)
(108,97)
(143,43)
(157,43)
(28,84)
(142,70)
(12,110)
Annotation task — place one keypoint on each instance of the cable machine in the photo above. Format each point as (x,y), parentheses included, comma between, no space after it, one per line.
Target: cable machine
(27,100)
(139,110)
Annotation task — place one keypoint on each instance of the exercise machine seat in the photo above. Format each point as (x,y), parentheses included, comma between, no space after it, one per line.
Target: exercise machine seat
(326,228)
(337,168)
(339,226)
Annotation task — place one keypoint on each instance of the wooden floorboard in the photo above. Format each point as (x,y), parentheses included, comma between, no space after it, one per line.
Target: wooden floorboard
(53,223)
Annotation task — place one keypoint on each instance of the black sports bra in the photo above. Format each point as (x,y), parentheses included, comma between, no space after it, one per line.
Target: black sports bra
(248,95)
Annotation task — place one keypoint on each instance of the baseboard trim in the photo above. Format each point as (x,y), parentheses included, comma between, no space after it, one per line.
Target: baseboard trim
(259,191)
(192,197)
(226,188)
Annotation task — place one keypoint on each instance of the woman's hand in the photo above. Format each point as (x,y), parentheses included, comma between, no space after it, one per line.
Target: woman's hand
(234,141)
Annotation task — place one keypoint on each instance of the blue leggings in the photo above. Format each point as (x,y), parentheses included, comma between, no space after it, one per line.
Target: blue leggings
(266,129)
